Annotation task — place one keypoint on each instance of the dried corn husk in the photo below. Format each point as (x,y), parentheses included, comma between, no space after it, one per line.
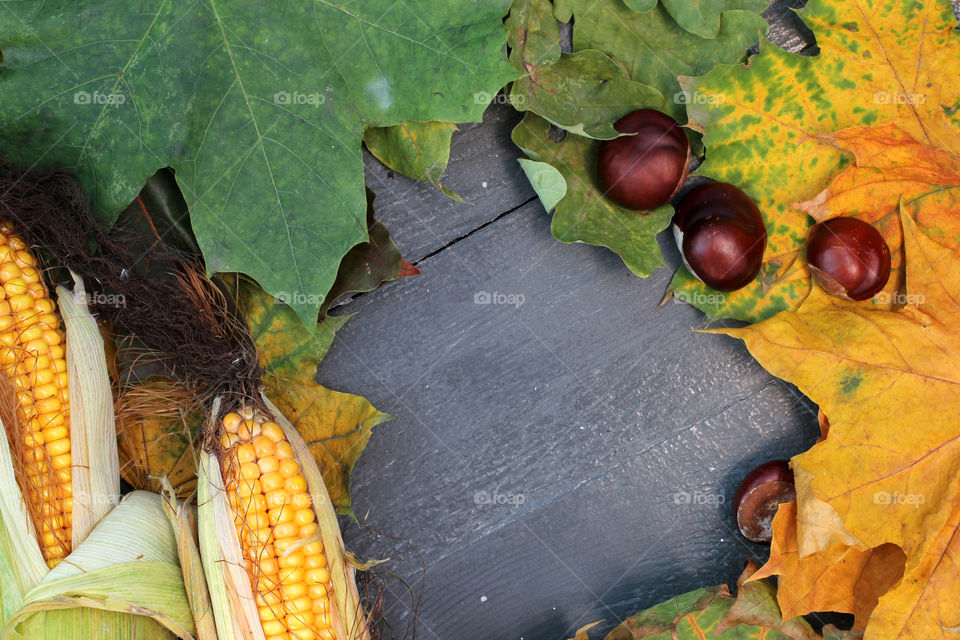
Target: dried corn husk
(182,517)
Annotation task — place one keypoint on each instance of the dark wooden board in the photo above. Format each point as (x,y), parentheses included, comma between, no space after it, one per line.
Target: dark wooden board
(613,434)
(587,401)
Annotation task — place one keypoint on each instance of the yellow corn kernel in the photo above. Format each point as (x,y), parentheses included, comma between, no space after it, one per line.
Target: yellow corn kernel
(245,453)
(301,501)
(305,633)
(19,301)
(318,593)
(264,446)
(280,515)
(248,430)
(271,481)
(295,484)
(298,620)
(293,590)
(268,566)
(273,431)
(292,560)
(271,627)
(296,605)
(58,448)
(231,422)
(289,468)
(257,520)
(320,575)
(304,517)
(269,599)
(268,464)
(246,488)
(269,614)
(276,498)
(250,471)
(286,530)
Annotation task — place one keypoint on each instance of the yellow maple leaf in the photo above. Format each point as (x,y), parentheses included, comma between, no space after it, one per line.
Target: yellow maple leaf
(767,123)
(890,383)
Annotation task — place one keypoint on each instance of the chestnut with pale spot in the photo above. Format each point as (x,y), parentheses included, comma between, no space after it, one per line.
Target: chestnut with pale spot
(759,496)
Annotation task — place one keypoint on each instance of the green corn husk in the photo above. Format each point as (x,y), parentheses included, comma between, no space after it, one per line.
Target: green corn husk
(96,476)
(122,583)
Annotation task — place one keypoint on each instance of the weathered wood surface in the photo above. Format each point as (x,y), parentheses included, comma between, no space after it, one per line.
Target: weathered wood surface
(608,436)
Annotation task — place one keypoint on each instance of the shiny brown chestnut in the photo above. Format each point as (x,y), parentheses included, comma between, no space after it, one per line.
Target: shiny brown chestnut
(848,258)
(721,235)
(758,497)
(644,170)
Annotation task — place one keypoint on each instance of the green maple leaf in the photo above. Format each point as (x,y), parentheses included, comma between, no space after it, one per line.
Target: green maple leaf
(259,108)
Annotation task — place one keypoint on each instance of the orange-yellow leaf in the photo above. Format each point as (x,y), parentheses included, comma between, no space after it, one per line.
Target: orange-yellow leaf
(890,165)
(888,468)
(839,578)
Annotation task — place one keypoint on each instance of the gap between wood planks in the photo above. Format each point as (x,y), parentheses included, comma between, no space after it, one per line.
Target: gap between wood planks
(343,302)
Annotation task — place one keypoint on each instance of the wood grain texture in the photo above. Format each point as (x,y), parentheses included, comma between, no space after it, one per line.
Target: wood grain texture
(594,406)
(613,434)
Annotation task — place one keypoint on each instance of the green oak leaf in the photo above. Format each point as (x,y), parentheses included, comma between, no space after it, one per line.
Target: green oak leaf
(259,108)
(584,214)
(702,17)
(641,5)
(584,92)
(533,34)
(418,150)
(653,48)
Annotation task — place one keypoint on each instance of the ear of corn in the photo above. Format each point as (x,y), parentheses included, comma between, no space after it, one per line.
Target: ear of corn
(33,359)
(93,476)
(274,543)
(123,579)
